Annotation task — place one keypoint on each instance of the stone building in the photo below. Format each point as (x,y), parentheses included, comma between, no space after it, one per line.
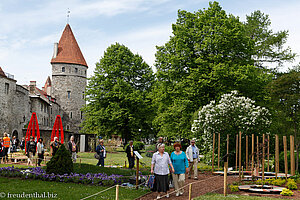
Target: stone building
(63,95)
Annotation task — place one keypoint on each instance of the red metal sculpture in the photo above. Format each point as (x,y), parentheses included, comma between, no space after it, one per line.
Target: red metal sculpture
(57,127)
(33,127)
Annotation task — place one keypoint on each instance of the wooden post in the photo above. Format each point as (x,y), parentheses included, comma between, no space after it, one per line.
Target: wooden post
(263,158)
(252,161)
(117,192)
(236,151)
(227,147)
(276,155)
(240,156)
(285,156)
(213,154)
(137,172)
(257,152)
(246,152)
(219,140)
(190,191)
(268,169)
(292,155)
(225,177)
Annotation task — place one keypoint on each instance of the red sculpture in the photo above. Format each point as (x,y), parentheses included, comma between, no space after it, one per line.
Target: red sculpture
(33,127)
(57,127)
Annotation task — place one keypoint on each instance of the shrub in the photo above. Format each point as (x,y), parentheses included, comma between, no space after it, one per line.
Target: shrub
(138,146)
(286,192)
(234,188)
(281,160)
(291,184)
(150,150)
(61,163)
(279,182)
(169,149)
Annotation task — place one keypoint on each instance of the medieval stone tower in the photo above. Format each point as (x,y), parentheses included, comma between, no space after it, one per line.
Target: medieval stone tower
(69,72)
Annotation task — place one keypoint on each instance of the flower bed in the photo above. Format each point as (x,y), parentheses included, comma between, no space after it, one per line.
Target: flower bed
(38,173)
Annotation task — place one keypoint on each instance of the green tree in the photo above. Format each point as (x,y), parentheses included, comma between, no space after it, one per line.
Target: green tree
(208,55)
(118,95)
(269,46)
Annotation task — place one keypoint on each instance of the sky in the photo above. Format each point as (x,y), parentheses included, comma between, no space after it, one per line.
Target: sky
(29,28)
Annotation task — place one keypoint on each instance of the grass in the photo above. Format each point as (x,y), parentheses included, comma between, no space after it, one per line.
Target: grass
(65,190)
(231,197)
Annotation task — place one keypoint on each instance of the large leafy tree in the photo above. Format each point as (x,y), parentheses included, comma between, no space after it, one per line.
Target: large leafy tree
(208,55)
(118,95)
(269,46)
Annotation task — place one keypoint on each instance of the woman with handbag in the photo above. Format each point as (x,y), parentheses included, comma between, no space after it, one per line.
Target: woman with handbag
(40,151)
(100,149)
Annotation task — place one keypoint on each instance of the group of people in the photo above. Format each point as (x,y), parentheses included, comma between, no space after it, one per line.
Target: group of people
(179,163)
(33,148)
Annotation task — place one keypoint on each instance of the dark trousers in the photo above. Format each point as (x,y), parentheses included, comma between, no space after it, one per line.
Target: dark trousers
(5,153)
(40,158)
(101,162)
(131,162)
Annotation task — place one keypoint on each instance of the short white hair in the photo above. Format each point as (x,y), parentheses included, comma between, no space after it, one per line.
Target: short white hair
(161,146)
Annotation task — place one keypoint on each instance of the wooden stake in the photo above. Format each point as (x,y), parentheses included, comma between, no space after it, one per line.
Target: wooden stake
(219,140)
(236,151)
(117,192)
(227,147)
(276,155)
(292,155)
(137,172)
(257,152)
(213,154)
(268,169)
(263,158)
(240,156)
(285,157)
(246,152)
(252,162)
(190,191)
(225,177)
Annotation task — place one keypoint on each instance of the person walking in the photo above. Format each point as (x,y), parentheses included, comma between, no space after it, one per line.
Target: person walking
(100,149)
(22,144)
(1,149)
(181,166)
(192,153)
(160,168)
(55,145)
(30,150)
(40,151)
(6,145)
(15,143)
(130,154)
(73,149)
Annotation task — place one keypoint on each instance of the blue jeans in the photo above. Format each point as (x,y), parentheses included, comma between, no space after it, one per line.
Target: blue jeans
(101,162)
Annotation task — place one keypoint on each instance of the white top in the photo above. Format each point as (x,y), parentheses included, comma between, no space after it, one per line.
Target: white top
(161,163)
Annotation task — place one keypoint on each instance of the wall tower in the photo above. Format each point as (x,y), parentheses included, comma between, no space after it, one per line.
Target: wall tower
(69,73)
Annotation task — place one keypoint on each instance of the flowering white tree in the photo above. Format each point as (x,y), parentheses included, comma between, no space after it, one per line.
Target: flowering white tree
(232,114)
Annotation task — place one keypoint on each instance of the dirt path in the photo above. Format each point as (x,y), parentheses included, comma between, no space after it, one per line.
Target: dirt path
(205,183)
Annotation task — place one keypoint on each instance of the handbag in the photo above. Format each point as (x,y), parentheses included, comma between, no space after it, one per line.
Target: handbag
(150,182)
(97,156)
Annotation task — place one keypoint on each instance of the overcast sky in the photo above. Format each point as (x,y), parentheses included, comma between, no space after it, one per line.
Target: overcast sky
(30,27)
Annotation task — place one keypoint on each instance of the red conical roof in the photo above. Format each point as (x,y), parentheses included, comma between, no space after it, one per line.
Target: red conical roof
(2,72)
(68,49)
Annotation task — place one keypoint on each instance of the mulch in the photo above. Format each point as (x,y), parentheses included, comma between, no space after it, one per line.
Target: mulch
(208,183)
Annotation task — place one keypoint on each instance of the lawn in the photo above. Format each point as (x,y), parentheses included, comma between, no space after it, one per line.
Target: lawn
(231,197)
(64,190)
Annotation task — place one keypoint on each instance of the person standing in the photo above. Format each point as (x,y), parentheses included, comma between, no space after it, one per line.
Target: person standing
(192,153)
(40,151)
(73,149)
(15,143)
(100,149)
(160,168)
(30,150)
(181,166)
(55,145)
(22,144)
(6,145)
(1,149)
(130,154)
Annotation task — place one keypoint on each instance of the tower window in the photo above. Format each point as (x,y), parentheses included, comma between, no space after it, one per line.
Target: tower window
(81,114)
(6,88)
(63,69)
(41,107)
(68,127)
(76,70)
(83,95)
(71,115)
(85,72)
(69,94)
